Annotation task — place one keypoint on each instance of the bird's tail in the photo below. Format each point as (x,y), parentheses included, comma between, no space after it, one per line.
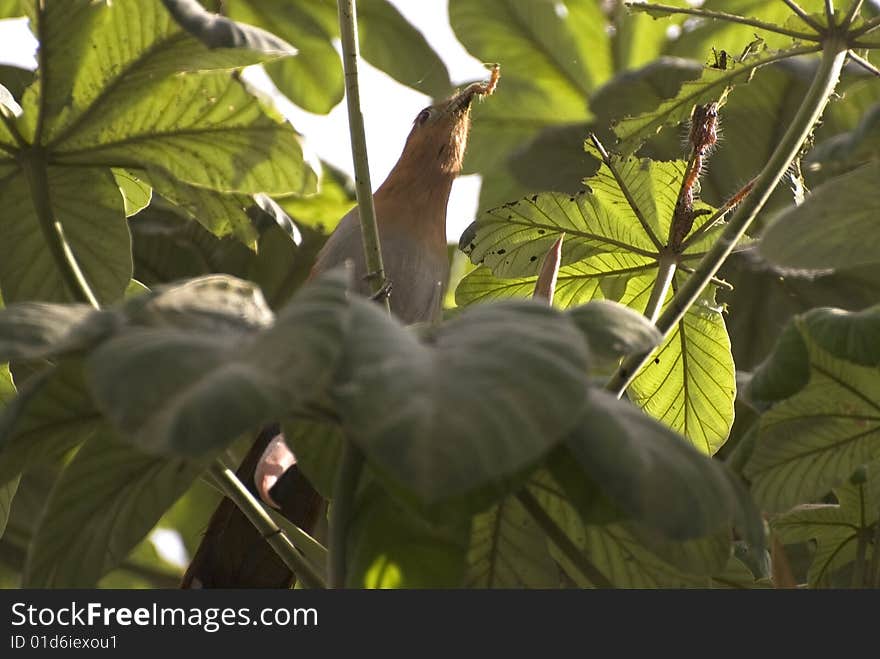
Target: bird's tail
(232,553)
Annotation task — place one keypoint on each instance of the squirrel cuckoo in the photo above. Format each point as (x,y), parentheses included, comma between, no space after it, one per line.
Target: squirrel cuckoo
(411,217)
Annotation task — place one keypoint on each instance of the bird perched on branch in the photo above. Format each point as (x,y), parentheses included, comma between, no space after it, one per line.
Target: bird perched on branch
(411,218)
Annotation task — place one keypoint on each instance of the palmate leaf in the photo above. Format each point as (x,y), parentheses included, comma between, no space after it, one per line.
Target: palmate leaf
(106,500)
(90,207)
(619,554)
(825,423)
(392,547)
(508,549)
(228,378)
(712,86)
(313,78)
(835,227)
(834,527)
(613,233)
(483,364)
(121,86)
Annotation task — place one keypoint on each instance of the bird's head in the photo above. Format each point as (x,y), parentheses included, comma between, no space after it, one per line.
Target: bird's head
(439,134)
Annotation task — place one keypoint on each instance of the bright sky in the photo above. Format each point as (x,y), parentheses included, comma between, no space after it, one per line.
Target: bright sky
(388,107)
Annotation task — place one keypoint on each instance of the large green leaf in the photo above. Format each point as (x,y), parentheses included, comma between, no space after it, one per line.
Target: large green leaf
(701,35)
(51,414)
(616,551)
(712,86)
(614,234)
(194,383)
(835,527)
(509,550)
(690,382)
(391,547)
(763,300)
(855,147)
(313,78)
(482,366)
(391,44)
(105,501)
(86,202)
(205,130)
(653,476)
(120,85)
(835,227)
(827,421)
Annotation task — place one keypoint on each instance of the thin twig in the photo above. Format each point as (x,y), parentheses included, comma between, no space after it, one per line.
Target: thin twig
(366,209)
(559,538)
(829,12)
(350,467)
(731,18)
(869,26)
(865,64)
(821,89)
(35,166)
(341,512)
(854,9)
(718,215)
(235,490)
(665,275)
(626,193)
(13,130)
(804,16)
(718,282)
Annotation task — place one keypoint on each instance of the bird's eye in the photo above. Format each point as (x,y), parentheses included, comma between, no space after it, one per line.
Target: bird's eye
(423,116)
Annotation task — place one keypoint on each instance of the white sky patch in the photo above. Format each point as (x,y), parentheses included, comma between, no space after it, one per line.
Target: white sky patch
(169,545)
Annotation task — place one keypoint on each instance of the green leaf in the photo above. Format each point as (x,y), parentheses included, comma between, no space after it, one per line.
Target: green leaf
(51,414)
(318,450)
(834,527)
(391,547)
(613,330)
(220,32)
(313,78)
(391,44)
(483,365)
(7,493)
(136,194)
(763,300)
(221,214)
(87,204)
(105,501)
(197,382)
(701,35)
(618,553)
(814,439)
(652,474)
(11,8)
(612,233)
(34,330)
(690,382)
(846,150)
(712,86)
(210,132)
(835,227)
(509,550)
